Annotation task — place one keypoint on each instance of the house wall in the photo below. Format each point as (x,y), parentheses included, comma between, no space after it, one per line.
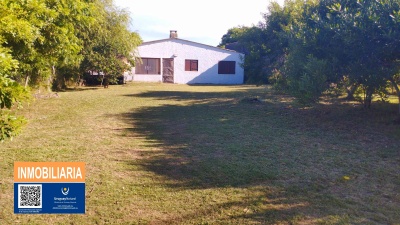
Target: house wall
(180,50)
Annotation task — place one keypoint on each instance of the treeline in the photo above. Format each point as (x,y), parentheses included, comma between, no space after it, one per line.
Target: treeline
(308,47)
(48,43)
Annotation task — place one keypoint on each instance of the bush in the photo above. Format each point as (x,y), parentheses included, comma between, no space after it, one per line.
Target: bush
(11,95)
(313,82)
(279,81)
(10,125)
(305,77)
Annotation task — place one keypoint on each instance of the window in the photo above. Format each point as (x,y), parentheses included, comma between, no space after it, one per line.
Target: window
(226,67)
(191,65)
(147,66)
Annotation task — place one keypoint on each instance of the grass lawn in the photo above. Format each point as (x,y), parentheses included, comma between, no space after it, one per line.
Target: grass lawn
(179,154)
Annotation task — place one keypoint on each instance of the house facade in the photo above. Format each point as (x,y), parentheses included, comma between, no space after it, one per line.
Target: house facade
(175,60)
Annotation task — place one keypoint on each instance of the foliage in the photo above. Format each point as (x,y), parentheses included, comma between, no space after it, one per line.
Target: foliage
(109,45)
(264,44)
(312,82)
(303,76)
(254,67)
(372,26)
(279,48)
(11,94)
(278,81)
(353,43)
(10,125)
(51,42)
(233,36)
(49,39)
(42,35)
(247,40)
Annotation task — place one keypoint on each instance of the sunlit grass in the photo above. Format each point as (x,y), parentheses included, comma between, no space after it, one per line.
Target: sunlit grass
(393,99)
(179,154)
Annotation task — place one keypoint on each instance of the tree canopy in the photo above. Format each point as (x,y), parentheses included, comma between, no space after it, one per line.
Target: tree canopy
(305,47)
(44,43)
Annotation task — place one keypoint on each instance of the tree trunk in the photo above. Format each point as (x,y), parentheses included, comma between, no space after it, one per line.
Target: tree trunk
(106,81)
(79,81)
(398,93)
(102,79)
(26,81)
(350,91)
(49,81)
(368,97)
(398,114)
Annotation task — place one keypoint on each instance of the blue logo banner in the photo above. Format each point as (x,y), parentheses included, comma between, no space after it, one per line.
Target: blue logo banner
(51,198)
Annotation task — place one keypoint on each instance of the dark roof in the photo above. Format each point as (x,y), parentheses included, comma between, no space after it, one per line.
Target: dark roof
(192,42)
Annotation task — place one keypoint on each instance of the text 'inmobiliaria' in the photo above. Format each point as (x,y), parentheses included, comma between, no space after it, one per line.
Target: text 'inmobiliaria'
(49,172)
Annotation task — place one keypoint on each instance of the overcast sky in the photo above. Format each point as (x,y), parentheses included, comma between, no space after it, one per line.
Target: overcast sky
(204,21)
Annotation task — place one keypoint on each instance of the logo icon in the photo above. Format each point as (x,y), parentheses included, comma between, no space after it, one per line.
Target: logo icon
(64,191)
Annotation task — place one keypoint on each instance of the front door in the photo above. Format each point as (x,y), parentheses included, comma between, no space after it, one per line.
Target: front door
(168,71)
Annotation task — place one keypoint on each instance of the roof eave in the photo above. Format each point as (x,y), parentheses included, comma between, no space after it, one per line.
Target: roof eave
(170,39)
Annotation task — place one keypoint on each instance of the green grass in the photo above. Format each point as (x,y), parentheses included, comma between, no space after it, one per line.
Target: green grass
(179,154)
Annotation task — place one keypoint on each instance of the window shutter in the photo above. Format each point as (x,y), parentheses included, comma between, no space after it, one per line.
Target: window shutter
(153,66)
(194,65)
(140,67)
(221,67)
(231,67)
(191,65)
(148,66)
(226,67)
(187,65)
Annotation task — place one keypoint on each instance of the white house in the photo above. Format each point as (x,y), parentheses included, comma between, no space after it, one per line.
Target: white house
(175,60)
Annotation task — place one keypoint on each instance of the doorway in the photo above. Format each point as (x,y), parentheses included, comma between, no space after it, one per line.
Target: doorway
(168,71)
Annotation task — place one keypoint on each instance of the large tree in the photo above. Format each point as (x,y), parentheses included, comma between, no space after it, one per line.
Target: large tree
(248,40)
(109,45)
(11,96)
(332,40)
(41,40)
(365,37)
(264,44)
(42,35)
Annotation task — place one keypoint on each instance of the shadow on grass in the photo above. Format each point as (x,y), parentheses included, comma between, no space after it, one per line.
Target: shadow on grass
(298,155)
(210,142)
(206,96)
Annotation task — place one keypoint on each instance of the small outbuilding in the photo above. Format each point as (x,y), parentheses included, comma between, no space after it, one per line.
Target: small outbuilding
(175,60)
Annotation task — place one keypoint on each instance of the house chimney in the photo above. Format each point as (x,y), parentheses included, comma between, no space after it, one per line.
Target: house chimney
(173,34)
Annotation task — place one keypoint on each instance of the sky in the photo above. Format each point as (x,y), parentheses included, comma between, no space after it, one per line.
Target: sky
(204,21)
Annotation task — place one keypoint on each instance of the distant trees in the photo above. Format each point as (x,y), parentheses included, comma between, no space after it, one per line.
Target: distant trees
(44,43)
(307,46)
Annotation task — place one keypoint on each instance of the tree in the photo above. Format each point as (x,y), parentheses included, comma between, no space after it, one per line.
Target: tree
(296,64)
(356,41)
(264,44)
(256,53)
(42,36)
(372,26)
(109,45)
(233,36)
(41,40)
(11,96)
